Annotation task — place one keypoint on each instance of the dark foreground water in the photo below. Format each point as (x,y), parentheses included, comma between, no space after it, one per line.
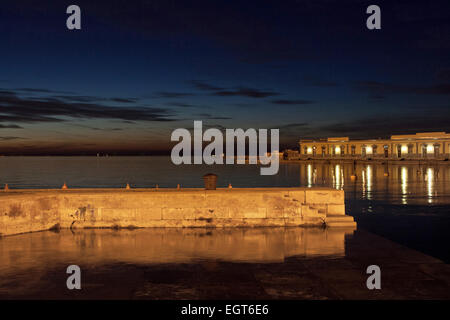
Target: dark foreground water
(406,203)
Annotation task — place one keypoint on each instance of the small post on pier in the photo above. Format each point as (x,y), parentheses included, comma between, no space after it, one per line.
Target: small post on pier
(210,180)
(6,187)
(64,187)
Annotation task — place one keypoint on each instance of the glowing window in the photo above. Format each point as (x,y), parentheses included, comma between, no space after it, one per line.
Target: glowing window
(338,150)
(430,149)
(369,150)
(309,150)
(404,149)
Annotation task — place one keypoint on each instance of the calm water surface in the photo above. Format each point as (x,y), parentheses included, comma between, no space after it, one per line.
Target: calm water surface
(33,263)
(405,184)
(406,203)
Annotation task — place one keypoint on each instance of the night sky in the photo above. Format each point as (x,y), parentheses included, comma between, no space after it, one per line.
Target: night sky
(139,69)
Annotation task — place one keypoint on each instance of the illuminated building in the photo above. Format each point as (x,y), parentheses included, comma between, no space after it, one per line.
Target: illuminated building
(425,145)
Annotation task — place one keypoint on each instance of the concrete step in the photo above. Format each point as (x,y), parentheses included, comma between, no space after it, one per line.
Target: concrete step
(334,221)
(339,217)
(341,224)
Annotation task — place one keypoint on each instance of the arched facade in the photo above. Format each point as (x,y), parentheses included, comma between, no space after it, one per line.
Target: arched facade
(427,145)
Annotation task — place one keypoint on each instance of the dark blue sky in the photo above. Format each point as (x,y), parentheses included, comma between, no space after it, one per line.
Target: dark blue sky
(139,69)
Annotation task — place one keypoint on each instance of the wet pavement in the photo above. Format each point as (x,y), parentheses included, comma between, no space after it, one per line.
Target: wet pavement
(260,263)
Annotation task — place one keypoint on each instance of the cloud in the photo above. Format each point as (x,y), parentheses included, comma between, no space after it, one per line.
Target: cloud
(376,126)
(292,130)
(165,94)
(204,86)
(53,109)
(384,126)
(81,98)
(107,129)
(8,138)
(245,92)
(292,125)
(10,126)
(124,100)
(179,104)
(292,102)
(380,88)
(206,126)
(38,90)
(228,92)
(209,116)
(98,129)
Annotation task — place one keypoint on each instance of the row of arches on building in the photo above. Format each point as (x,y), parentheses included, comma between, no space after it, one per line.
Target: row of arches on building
(398,150)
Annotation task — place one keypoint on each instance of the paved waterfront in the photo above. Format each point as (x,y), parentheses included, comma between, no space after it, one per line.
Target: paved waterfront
(270,263)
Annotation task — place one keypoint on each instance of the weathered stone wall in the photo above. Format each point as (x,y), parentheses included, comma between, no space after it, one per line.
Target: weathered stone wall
(34,210)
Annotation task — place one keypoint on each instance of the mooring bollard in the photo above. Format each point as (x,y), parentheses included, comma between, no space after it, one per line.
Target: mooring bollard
(210,180)
(6,187)
(230,186)
(128,186)
(64,187)
(178,187)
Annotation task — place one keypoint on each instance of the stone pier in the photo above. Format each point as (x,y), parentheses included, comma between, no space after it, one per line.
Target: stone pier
(36,210)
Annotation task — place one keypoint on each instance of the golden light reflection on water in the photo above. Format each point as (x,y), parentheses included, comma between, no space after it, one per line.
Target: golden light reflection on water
(430,184)
(309,172)
(30,257)
(311,175)
(338,177)
(404,185)
(368,175)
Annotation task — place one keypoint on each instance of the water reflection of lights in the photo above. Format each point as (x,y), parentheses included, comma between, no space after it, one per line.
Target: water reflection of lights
(404,185)
(366,175)
(338,177)
(363,176)
(309,173)
(430,184)
(369,181)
